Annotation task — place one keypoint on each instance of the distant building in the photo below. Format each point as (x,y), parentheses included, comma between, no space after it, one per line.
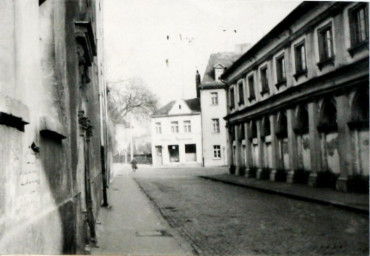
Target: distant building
(214,109)
(176,134)
(298,99)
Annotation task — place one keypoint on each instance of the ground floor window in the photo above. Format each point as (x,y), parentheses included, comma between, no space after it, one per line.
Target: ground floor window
(191,152)
(217,151)
(173,151)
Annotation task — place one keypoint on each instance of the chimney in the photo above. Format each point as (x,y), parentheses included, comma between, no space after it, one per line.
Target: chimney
(197,84)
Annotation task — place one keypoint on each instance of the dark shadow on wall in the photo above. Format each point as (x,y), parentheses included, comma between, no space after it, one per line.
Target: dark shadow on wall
(54,158)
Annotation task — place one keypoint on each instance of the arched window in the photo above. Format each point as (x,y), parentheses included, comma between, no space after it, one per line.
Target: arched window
(301,126)
(282,124)
(360,110)
(328,117)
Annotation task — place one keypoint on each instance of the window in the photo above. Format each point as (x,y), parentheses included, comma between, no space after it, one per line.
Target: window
(358,19)
(217,151)
(158,128)
(264,81)
(280,70)
(187,126)
(216,125)
(252,95)
(241,93)
(214,98)
(300,58)
(175,127)
(232,98)
(325,36)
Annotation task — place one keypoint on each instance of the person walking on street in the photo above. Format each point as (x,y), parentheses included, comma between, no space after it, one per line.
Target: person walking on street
(134,164)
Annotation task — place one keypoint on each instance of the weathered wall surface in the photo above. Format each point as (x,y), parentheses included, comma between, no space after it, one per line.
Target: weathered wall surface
(42,152)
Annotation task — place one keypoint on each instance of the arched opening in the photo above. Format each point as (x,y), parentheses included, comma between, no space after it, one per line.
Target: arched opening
(301,129)
(266,127)
(301,120)
(328,117)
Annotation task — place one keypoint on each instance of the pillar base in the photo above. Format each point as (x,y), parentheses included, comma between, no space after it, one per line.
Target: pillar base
(312,179)
(290,176)
(341,184)
(273,175)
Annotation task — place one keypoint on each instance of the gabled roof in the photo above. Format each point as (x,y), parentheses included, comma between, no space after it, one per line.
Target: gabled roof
(224,59)
(193,104)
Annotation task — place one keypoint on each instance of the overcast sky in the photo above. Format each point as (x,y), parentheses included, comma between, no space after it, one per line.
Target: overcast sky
(137,46)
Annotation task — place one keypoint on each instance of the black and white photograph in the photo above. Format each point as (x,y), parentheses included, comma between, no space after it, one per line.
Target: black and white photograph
(184,127)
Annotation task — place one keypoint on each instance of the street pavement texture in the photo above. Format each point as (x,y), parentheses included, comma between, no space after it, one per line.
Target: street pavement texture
(132,226)
(221,219)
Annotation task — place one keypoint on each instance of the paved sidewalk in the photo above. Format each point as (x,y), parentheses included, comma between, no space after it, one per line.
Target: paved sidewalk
(133,225)
(350,201)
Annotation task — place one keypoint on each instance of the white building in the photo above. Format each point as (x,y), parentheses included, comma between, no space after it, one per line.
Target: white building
(176,134)
(214,109)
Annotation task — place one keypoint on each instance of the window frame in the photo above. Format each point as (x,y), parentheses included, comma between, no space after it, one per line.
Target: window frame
(300,69)
(216,152)
(174,126)
(322,39)
(232,98)
(158,127)
(355,44)
(240,85)
(214,98)
(264,80)
(280,70)
(187,126)
(216,125)
(252,96)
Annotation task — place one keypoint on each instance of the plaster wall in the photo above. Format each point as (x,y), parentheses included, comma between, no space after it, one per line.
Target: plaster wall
(210,138)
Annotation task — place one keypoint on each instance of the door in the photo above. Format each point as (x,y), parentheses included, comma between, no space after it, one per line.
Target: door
(173,151)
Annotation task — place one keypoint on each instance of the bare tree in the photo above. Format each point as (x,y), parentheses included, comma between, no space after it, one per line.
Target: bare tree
(130,97)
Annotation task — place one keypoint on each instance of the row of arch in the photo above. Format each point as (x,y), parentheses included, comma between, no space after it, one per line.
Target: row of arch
(327,131)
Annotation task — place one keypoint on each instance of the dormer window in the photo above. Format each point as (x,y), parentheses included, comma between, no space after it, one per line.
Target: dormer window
(219,70)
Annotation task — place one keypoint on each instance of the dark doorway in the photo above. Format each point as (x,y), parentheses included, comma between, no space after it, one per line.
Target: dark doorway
(173,151)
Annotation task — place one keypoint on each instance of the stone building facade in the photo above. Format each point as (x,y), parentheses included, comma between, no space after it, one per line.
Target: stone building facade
(213,108)
(176,134)
(298,99)
(53,125)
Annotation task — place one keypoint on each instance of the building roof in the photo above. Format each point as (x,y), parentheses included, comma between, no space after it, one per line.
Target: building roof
(221,58)
(193,104)
(298,12)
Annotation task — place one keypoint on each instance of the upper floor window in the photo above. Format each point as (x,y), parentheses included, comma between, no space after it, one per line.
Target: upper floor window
(300,58)
(217,151)
(214,98)
(252,95)
(187,126)
(264,81)
(241,93)
(216,125)
(280,70)
(325,37)
(158,128)
(232,98)
(358,19)
(175,127)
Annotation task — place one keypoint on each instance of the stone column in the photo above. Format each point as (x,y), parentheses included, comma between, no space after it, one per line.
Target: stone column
(237,149)
(260,149)
(344,141)
(314,143)
(292,145)
(229,146)
(274,147)
(248,149)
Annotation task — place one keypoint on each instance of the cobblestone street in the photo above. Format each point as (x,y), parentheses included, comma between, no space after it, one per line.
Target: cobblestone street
(221,219)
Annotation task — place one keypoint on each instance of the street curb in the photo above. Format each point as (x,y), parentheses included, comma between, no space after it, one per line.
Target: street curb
(293,196)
